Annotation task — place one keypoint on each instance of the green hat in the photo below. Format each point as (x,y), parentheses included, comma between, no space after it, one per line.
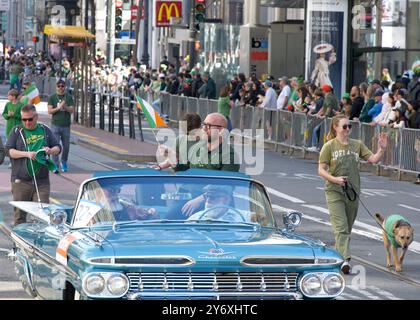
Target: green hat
(194,71)
(43,158)
(346,95)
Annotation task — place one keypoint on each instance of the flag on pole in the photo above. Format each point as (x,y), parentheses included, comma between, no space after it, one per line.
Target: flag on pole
(33,94)
(153,118)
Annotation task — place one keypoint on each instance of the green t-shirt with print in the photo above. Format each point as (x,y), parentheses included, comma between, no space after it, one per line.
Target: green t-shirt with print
(343,160)
(35,140)
(61,118)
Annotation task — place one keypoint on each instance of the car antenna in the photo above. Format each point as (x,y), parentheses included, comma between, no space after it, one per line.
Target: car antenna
(36,184)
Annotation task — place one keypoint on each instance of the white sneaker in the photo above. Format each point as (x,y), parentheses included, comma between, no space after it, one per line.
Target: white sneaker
(345,267)
(313,149)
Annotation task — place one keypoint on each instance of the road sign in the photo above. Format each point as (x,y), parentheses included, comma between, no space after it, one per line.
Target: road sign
(4,5)
(125,41)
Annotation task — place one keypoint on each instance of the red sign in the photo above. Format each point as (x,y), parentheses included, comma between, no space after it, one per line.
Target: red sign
(259,56)
(134,11)
(165,10)
(119,4)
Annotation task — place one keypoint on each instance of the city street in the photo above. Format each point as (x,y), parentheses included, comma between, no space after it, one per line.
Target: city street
(292,184)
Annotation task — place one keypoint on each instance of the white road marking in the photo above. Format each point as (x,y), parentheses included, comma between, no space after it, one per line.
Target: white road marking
(309,176)
(283,195)
(363,292)
(348,296)
(377,192)
(357,223)
(408,207)
(384,293)
(8,286)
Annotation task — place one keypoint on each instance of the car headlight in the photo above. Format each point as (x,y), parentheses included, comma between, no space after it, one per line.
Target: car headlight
(94,284)
(311,285)
(333,284)
(117,284)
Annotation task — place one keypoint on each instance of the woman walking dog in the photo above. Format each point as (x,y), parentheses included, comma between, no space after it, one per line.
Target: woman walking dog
(339,166)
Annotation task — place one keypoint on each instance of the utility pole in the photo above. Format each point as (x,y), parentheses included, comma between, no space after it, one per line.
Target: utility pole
(145,56)
(137,31)
(111,34)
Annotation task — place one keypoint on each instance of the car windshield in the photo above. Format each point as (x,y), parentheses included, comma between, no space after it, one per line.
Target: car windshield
(172,199)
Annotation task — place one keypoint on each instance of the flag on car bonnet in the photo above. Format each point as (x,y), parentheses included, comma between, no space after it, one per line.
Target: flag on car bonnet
(152,117)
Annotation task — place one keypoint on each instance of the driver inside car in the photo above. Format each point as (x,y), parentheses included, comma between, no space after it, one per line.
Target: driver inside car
(218,205)
(123,210)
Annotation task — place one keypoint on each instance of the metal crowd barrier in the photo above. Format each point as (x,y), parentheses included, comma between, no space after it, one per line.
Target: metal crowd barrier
(293,130)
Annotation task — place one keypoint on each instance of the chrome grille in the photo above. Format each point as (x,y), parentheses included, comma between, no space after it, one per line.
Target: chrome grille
(213,282)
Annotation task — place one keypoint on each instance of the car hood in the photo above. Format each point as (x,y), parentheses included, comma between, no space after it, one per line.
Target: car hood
(204,244)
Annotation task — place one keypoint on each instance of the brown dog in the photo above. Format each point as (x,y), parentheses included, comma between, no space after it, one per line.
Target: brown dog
(397,233)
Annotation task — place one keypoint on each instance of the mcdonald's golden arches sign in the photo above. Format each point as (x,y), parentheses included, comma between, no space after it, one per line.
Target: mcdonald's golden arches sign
(165,10)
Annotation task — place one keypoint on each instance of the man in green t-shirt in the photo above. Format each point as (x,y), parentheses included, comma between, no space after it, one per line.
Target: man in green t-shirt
(61,106)
(23,147)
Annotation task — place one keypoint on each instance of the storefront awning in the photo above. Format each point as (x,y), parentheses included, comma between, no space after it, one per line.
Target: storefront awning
(68,32)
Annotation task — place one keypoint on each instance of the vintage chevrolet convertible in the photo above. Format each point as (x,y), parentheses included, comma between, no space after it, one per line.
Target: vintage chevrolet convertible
(143,234)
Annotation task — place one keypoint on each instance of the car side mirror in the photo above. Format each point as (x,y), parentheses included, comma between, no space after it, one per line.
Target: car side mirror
(58,218)
(292,220)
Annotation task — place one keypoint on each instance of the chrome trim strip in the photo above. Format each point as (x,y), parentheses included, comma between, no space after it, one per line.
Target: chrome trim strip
(274,265)
(113,258)
(165,294)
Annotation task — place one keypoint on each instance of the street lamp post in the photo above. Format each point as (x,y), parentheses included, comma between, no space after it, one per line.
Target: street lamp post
(145,56)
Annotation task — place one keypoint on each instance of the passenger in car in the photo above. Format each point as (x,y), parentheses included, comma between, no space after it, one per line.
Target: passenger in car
(123,210)
(219,205)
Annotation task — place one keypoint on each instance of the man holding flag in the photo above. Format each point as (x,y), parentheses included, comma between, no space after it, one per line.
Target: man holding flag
(29,146)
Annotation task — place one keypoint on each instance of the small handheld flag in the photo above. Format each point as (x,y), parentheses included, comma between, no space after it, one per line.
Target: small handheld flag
(33,94)
(153,118)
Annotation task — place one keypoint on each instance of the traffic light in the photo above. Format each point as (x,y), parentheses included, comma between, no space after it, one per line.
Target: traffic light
(35,39)
(199,13)
(118,19)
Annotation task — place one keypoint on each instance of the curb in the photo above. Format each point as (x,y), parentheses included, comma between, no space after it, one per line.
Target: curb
(115,155)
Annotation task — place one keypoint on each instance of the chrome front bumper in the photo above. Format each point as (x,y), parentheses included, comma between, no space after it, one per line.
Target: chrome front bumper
(162,295)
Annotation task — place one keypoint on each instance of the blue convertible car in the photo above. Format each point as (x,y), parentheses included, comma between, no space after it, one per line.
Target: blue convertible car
(144,234)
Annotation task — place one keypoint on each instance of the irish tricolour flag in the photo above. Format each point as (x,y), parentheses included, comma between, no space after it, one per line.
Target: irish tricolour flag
(33,94)
(154,119)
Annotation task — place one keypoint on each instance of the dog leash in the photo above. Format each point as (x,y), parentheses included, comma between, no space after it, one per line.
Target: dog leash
(352,195)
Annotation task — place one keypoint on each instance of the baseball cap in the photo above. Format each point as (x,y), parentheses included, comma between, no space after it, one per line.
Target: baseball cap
(221,190)
(326,88)
(61,81)
(346,95)
(162,75)
(268,83)
(43,158)
(378,93)
(283,79)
